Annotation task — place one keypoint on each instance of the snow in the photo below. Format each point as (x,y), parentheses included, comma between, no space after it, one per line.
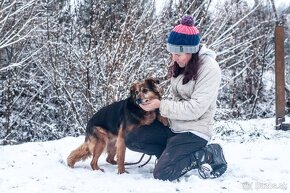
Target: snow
(257,155)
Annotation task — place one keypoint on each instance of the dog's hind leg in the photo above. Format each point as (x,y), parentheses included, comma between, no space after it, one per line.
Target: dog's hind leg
(99,148)
(81,153)
(100,144)
(111,150)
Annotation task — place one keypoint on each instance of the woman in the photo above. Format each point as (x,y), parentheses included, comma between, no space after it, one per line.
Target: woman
(195,79)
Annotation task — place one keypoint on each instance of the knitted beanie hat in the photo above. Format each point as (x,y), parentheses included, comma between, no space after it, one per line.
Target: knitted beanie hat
(184,38)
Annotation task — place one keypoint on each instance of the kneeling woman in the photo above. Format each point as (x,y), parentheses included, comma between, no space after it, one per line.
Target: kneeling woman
(195,80)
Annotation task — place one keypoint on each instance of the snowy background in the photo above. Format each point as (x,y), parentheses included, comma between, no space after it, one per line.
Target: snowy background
(61,60)
(258,161)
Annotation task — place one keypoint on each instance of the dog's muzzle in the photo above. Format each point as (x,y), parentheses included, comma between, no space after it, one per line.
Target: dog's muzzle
(140,101)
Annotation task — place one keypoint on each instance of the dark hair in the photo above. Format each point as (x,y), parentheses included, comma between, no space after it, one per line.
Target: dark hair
(189,71)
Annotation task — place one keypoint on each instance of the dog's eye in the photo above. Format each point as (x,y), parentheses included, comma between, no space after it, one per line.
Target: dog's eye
(145,90)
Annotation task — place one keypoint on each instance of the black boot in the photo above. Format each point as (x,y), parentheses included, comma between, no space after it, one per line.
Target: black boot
(211,161)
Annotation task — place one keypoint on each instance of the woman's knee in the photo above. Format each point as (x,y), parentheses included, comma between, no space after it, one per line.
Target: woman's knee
(165,168)
(164,173)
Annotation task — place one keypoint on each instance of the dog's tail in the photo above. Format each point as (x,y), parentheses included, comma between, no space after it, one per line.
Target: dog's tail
(81,153)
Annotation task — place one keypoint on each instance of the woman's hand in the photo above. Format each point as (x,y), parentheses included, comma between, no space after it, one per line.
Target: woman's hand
(150,105)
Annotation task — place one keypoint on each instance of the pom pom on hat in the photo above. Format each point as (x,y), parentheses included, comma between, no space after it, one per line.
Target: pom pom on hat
(187,20)
(184,38)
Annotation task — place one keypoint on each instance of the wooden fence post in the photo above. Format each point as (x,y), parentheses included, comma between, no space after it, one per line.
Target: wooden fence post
(280,79)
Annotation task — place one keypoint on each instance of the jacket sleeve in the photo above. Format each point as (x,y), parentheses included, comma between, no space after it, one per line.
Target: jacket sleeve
(204,94)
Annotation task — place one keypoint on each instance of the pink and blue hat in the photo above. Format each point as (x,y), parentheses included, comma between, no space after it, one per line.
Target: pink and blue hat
(184,38)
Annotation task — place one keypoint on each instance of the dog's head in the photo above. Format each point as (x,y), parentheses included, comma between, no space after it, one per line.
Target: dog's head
(146,90)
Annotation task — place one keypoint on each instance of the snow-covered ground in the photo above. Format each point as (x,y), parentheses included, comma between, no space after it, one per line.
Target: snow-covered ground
(258,161)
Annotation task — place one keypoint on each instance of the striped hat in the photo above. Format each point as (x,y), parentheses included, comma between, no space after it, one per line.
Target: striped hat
(184,38)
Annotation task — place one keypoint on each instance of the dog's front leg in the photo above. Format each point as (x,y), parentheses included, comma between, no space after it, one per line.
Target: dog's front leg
(121,149)
(163,120)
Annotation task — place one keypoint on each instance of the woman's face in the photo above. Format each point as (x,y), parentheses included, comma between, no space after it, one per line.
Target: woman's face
(181,59)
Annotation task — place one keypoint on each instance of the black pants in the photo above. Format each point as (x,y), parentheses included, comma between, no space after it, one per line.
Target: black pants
(175,151)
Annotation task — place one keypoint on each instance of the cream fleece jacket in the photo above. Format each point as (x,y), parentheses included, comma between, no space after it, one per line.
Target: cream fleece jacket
(193,106)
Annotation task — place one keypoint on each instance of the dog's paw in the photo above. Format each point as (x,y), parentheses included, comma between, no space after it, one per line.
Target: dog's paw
(122,171)
(102,170)
(97,168)
(110,161)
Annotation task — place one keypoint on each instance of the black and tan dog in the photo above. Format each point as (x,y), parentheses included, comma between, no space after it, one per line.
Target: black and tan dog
(108,127)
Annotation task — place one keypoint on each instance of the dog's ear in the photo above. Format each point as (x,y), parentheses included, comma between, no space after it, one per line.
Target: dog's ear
(151,81)
(153,84)
(133,87)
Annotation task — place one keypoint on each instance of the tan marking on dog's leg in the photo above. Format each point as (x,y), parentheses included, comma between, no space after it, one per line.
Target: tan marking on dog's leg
(99,147)
(163,120)
(121,150)
(111,150)
(92,141)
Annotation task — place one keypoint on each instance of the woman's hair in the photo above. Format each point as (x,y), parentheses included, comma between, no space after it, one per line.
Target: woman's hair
(190,71)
